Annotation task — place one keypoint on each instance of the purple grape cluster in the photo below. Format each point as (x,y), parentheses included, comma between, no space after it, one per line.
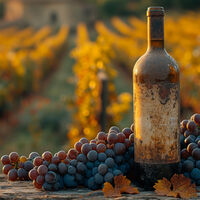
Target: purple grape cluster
(89,163)
(190,148)
(17,167)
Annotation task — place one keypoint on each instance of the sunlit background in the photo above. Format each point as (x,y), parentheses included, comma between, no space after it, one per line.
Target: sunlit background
(66,66)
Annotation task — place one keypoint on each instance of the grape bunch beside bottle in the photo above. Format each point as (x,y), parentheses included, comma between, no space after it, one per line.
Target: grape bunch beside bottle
(89,163)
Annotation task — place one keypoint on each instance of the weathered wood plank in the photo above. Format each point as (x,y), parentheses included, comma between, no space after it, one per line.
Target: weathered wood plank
(25,190)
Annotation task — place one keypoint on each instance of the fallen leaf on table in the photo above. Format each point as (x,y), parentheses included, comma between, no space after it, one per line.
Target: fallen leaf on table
(179,186)
(122,185)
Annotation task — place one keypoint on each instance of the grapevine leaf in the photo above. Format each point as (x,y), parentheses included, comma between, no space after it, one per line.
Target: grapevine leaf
(109,191)
(181,187)
(122,185)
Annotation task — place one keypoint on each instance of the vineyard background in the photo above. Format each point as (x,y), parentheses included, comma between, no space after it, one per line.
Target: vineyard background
(52,78)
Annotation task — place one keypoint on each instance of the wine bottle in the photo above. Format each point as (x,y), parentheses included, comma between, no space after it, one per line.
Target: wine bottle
(156,97)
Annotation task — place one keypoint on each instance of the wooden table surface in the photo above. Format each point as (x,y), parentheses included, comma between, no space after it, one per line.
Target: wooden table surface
(25,190)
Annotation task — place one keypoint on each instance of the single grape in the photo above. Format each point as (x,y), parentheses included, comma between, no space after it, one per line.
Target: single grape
(196,118)
(86,148)
(78,146)
(50,177)
(71,170)
(94,170)
(127,132)
(109,153)
(28,165)
(127,143)
(187,133)
(70,181)
(7,168)
(5,160)
(101,148)
(62,155)
(184,124)
(45,162)
(52,167)
(73,162)
(108,177)
(191,126)
(131,137)
(188,165)
(182,130)
(90,165)
(22,174)
(32,155)
(81,168)
(132,127)
(114,128)
(84,140)
(112,138)
(119,148)
(55,160)
(14,157)
(42,170)
(36,185)
(190,139)
(92,155)
(196,153)
(82,158)
(102,169)
(121,137)
(93,145)
(66,161)
(191,147)
(93,141)
(12,175)
(47,186)
(62,168)
(47,156)
(33,174)
(101,136)
(37,161)
(184,153)
(110,162)
(40,180)
(102,157)
(195,174)
(100,142)
(72,154)
(117,172)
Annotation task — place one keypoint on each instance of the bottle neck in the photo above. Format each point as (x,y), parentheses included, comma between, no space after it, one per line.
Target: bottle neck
(155,29)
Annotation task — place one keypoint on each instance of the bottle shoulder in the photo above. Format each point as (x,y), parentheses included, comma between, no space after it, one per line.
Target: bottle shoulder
(156,65)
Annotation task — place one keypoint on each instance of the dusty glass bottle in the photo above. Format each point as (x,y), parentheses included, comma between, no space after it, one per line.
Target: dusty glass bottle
(156,107)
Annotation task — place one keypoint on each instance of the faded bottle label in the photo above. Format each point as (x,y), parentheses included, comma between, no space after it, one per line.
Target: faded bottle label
(156,118)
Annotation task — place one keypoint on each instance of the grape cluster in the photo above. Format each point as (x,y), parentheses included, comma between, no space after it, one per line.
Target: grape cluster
(89,163)
(17,167)
(190,148)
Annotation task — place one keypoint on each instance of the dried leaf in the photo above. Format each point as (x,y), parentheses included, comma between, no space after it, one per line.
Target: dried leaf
(181,187)
(109,191)
(122,185)
(163,187)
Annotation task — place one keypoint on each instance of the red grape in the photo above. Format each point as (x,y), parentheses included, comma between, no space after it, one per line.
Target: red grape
(196,153)
(72,154)
(33,174)
(100,142)
(112,138)
(14,157)
(191,126)
(184,124)
(62,155)
(93,141)
(47,156)
(186,133)
(78,146)
(127,132)
(101,136)
(131,137)
(66,161)
(114,128)
(38,186)
(121,137)
(86,148)
(127,143)
(84,140)
(191,147)
(12,175)
(37,161)
(32,155)
(184,153)
(42,170)
(40,180)
(6,168)
(132,127)
(94,146)
(101,148)
(5,160)
(55,160)
(196,118)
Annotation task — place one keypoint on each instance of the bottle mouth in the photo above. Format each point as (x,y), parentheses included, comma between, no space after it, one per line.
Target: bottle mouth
(155,11)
